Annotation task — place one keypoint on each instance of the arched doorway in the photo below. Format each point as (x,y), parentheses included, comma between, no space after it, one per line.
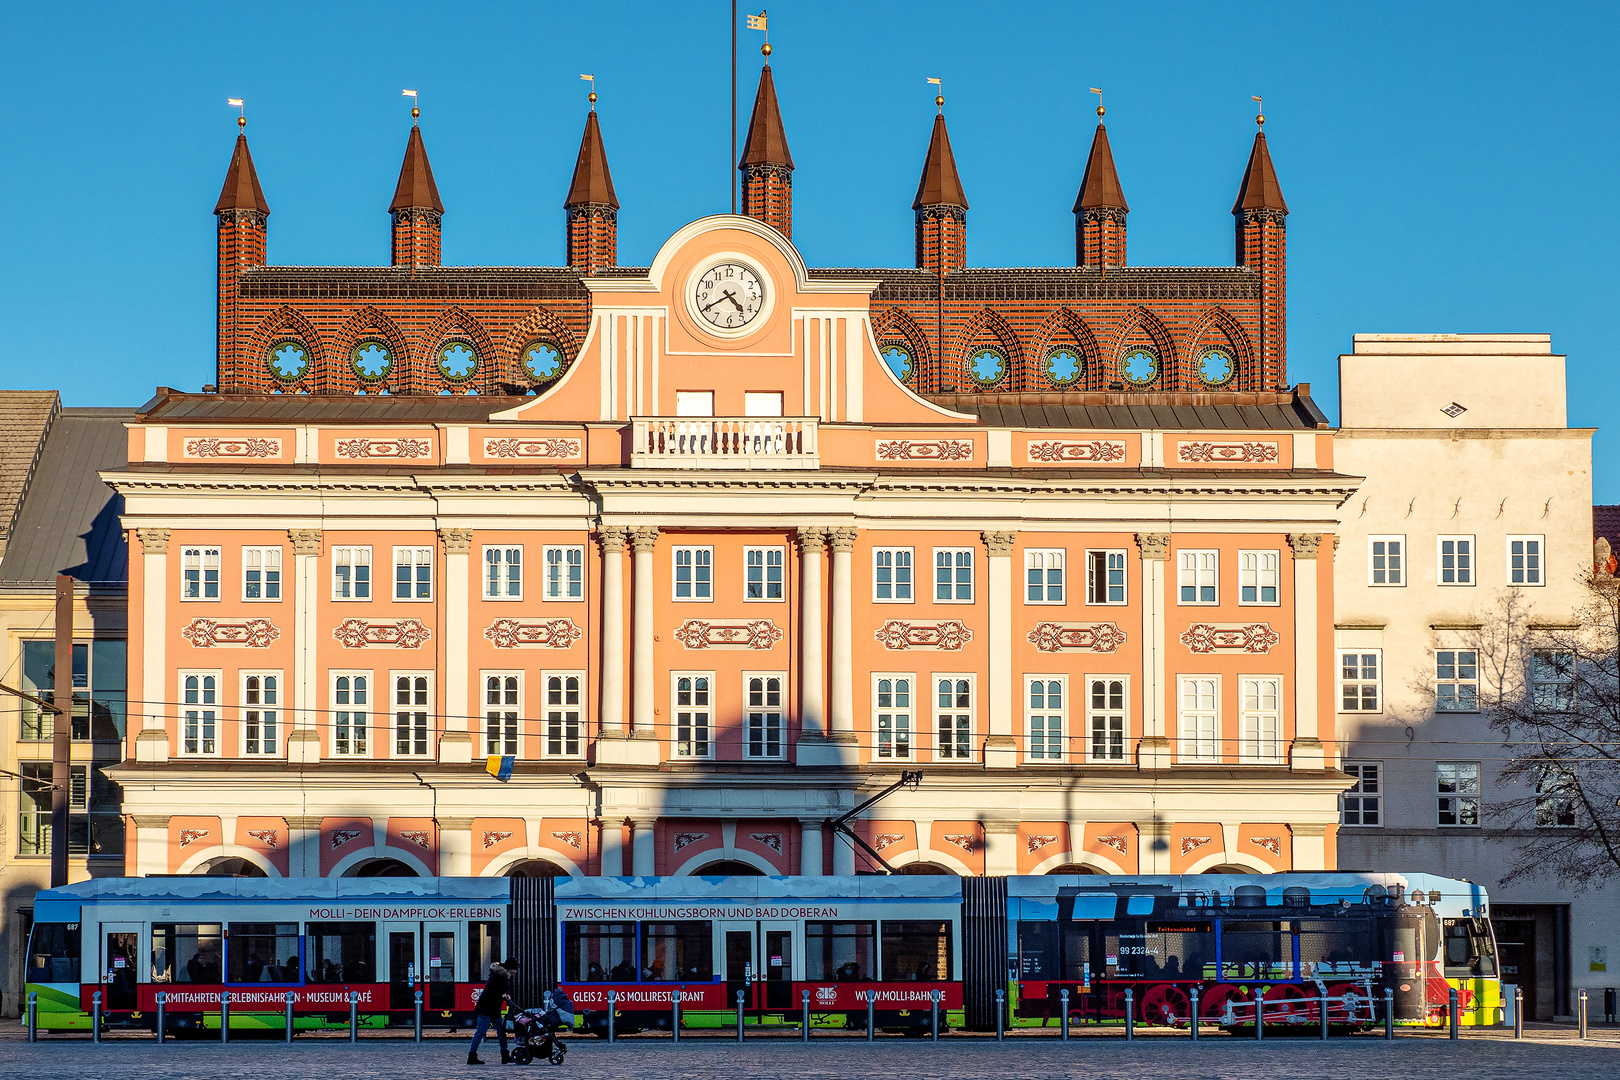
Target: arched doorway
(1228,869)
(927,868)
(381,868)
(1071,868)
(535,868)
(231,867)
(728,868)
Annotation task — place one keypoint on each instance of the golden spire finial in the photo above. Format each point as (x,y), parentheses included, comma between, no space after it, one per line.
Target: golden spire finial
(939,98)
(761,23)
(1100,110)
(591,97)
(1259,111)
(416,113)
(241,113)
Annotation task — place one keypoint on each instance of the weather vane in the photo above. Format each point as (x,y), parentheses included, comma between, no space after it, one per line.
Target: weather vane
(241,113)
(1259,111)
(416,112)
(1098,91)
(939,98)
(591,97)
(760,23)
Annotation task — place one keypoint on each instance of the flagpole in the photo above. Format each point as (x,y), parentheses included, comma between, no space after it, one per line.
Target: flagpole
(731,177)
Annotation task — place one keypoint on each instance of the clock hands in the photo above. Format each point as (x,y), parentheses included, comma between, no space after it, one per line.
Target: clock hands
(733,299)
(727,295)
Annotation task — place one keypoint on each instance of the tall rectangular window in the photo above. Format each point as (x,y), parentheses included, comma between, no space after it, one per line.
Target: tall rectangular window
(1258,573)
(1556,792)
(953,575)
(1043,576)
(502,693)
(351,714)
(1360,687)
(763,573)
(1363,804)
(261,714)
(261,573)
(1044,718)
(565,572)
(892,717)
(1456,680)
(1552,680)
(1105,716)
(953,718)
(503,573)
(763,720)
(351,573)
(1200,718)
(563,710)
(410,715)
(199,714)
(1262,719)
(1525,566)
(1196,576)
(1105,577)
(692,716)
(891,575)
(1457,788)
(694,573)
(413,573)
(1456,560)
(1386,560)
(199,573)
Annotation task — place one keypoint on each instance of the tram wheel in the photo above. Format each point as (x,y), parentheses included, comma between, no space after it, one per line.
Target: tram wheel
(1165,1006)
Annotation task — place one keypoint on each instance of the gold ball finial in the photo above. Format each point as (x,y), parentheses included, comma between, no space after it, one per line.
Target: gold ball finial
(1100,111)
(416,113)
(940,100)
(591,97)
(765,49)
(241,122)
(1260,120)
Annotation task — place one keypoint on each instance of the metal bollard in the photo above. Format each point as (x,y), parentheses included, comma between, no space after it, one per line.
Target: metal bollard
(162,1004)
(871,1002)
(739,1016)
(1063,996)
(95,1016)
(1192,1021)
(613,1007)
(1389,1012)
(354,1016)
(1001,1014)
(804,1026)
(1260,1013)
(933,1012)
(675,1000)
(419,1015)
(33,1016)
(1451,1012)
(225,1016)
(1323,999)
(1130,1014)
(1518,1012)
(1580,1012)
(289,1032)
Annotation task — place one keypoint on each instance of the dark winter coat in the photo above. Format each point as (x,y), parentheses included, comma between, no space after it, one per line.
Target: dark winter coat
(492,1002)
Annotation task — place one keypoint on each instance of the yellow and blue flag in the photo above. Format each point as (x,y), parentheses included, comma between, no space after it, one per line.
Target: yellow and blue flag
(500,767)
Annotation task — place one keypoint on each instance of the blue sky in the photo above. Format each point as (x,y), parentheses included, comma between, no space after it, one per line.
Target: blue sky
(1450,167)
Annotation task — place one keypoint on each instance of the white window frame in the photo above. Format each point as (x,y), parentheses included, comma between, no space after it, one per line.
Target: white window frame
(559,584)
(557,716)
(261,560)
(1460,795)
(1198,738)
(1255,577)
(1039,713)
(259,714)
(956,712)
(1190,572)
(1394,576)
(1456,681)
(419,716)
(1354,682)
(765,552)
(894,585)
(1039,566)
(1556,798)
(894,723)
(1260,727)
(414,560)
(1367,793)
(508,580)
(1103,559)
(693,710)
(504,715)
(1535,575)
(1110,716)
(953,574)
(1552,684)
(352,557)
(704,563)
(1465,564)
(202,715)
(764,712)
(196,559)
(341,710)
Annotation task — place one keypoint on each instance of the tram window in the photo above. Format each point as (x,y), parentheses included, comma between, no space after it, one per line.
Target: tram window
(839,950)
(1257,950)
(599,952)
(1469,953)
(341,952)
(263,952)
(187,953)
(675,951)
(53,953)
(1076,950)
(483,949)
(1179,951)
(916,951)
(1336,946)
(1038,950)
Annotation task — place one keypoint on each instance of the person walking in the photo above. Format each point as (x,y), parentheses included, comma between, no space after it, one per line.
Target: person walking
(491,1005)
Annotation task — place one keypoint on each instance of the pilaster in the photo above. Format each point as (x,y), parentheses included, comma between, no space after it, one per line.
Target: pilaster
(1001,747)
(459,704)
(643,858)
(1155,750)
(1306,752)
(152,743)
(612,538)
(1000,847)
(841,674)
(642,747)
(304,741)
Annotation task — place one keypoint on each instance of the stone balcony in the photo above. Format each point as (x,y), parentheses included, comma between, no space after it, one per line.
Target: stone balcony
(724,442)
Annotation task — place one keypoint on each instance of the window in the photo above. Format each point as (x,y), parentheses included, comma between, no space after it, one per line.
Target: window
(199,573)
(1262,719)
(1456,680)
(95,820)
(1556,792)
(1105,577)
(1257,576)
(677,952)
(501,698)
(340,952)
(916,951)
(1359,684)
(200,714)
(413,573)
(410,715)
(188,952)
(694,573)
(1386,560)
(1457,784)
(892,717)
(565,573)
(1525,566)
(1196,574)
(562,715)
(261,714)
(953,575)
(692,716)
(261,573)
(953,717)
(351,573)
(1043,576)
(891,575)
(764,717)
(694,403)
(1045,719)
(99,698)
(1106,719)
(351,708)
(1200,718)
(764,573)
(1363,804)
(843,951)
(256,951)
(1456,560)
(503,573)
(1552,680)
(599,952)
(762,403)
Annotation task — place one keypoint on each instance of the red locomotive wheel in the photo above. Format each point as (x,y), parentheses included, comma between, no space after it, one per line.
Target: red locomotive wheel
(1166,1006)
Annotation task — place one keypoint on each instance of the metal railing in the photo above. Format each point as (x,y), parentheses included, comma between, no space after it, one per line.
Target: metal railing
(724,442)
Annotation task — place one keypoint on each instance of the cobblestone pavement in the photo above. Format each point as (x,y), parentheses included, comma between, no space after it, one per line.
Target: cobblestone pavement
(1546,1056)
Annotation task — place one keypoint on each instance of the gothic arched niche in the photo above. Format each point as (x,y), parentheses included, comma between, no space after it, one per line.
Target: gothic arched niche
(1143,356)
(1065,356)
(261,369)
(509,375)
(892,326)
(456,327)
(357,366)
(991,356)
(1219,339)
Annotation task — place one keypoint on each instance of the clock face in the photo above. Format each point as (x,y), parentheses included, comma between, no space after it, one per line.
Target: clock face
(728,296)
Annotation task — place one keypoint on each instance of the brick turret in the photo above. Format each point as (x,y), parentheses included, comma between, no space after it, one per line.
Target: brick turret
(593,208)
(416,208)
(941,207)
(243,227)
(1100,208)
(1262,245)
(766,165)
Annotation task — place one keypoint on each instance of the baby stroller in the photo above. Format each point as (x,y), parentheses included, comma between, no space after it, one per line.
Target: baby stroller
(539,1031)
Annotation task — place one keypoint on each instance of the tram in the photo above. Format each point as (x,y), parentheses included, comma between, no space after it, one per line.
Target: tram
(1250,946)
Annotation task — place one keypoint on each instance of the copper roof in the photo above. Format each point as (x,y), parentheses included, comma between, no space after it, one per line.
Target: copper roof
(767,141)
(1260,190)
(940,185)
(1099,187)
(592,181)
(416,189)
(241,190)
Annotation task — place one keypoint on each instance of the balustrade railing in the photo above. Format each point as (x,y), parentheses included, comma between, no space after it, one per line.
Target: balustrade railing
(724,442)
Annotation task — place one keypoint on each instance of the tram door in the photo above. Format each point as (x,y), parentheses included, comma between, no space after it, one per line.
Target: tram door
(776,962)
(737,940)
(404,964)
(120,963)
(441,966)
